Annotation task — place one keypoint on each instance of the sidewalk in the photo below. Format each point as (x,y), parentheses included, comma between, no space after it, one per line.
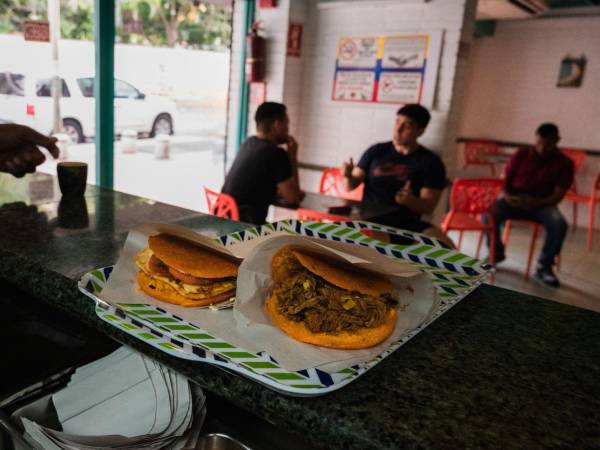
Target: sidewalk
(194,162)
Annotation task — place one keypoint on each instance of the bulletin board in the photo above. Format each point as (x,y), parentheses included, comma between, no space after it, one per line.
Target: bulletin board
(387,69)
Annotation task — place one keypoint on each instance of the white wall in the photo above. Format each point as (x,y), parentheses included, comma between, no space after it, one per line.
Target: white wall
(512,82)
(512,87)
(332,132)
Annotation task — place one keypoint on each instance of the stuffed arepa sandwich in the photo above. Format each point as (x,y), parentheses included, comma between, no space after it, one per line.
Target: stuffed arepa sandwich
(321,301)
(178,271)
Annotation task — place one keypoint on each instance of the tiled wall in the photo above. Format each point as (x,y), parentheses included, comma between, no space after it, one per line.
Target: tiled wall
(330,132)
(512,87)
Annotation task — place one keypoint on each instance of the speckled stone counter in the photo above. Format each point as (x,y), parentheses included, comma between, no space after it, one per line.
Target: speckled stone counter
(501,370)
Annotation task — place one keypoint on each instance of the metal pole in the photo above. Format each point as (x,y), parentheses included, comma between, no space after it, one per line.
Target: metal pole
(242,120)
(104,88)
(54,22)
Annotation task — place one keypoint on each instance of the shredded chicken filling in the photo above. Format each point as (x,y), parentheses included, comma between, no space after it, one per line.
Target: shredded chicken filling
(323,307)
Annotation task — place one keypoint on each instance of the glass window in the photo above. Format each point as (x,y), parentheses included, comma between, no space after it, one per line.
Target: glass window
(125,90)
(12,84)
(43,88)
(87,86)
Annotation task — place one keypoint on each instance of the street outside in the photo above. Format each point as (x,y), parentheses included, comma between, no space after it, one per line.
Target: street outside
(194,162)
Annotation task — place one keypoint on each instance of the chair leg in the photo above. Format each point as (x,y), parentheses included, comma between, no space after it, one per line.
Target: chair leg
(506,235)
(479,244)
(574,216)
(493,238)
(534,236)
(591,214)
(460,237)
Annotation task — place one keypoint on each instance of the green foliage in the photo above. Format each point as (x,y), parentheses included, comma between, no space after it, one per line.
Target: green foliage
(143,22)
(78,23)
(174,23)
(14,12)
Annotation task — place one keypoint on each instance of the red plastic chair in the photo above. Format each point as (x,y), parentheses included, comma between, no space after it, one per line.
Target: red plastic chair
(578,157)
(470,198)
(317,216)
(591,200)
(221,205)
(476,153)
(332,183)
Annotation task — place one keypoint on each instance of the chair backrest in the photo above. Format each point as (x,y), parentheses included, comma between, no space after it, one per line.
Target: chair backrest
(475,151)
(317,216)
(332,183)
(474,195)
(577,156)
(221,205)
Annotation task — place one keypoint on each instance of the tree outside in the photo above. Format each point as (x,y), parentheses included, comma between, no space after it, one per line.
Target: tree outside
(158,23)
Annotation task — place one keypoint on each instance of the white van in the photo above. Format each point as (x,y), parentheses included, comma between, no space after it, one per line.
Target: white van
(27,100)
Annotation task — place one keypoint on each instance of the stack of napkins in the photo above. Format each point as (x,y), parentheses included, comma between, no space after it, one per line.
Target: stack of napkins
(124,401)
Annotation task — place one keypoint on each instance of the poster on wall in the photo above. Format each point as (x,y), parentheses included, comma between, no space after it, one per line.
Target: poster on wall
(387,69)
(571,72)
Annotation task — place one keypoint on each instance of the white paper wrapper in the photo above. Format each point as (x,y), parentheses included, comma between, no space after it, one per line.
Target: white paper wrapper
(247,326)
(416,294)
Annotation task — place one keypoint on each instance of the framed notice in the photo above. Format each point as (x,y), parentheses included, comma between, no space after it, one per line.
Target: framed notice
(387,69)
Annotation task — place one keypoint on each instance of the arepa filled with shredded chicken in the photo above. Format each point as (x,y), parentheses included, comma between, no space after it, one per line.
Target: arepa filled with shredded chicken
(328,303)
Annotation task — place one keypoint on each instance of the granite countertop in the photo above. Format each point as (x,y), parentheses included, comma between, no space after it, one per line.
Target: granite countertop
(500,370)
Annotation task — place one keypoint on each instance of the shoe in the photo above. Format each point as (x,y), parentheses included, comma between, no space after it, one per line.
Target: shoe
(545,275)
(499,258)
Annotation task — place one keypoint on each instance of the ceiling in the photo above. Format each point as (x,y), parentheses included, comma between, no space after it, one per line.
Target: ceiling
(527,9)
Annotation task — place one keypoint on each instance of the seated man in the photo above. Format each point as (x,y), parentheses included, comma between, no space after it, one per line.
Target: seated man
(262,170)
(403,173)
(536,180)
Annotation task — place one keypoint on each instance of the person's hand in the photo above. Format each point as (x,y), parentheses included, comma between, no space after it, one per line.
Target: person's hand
(520,201)
(347,168)
(405,196)
(19,152)
(292,147)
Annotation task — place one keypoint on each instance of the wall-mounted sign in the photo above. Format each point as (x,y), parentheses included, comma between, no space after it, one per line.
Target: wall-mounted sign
(387,69)
(258,92)
(36,30)
(571,72)
(294,39)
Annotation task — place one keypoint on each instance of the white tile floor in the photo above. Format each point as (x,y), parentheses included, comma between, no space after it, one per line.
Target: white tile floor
(579,267)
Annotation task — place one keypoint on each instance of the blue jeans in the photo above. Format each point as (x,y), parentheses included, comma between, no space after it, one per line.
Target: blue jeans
(549,216)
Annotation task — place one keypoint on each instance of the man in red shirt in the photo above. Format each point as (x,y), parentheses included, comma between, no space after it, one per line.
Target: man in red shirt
(536,180)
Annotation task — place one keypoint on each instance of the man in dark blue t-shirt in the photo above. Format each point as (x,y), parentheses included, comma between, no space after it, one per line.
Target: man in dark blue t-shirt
(403,173)
(262,169)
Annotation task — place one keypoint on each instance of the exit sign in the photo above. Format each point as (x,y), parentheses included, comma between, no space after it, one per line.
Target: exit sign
(36,30)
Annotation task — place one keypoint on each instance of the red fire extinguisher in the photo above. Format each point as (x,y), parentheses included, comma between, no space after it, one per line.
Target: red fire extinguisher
(256,50)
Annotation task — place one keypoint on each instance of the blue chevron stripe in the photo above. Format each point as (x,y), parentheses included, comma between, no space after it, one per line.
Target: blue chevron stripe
(324,377)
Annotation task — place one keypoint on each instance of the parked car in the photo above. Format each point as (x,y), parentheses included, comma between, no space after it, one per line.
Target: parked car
(27,99)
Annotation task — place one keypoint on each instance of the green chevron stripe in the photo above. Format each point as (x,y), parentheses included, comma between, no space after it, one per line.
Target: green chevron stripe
(238,355)
(197,336)
(342,232)
(438,253)
(455,258)
(261,364)
(284,376)
(162,319)
(147,336)
(217,345)
(419,250)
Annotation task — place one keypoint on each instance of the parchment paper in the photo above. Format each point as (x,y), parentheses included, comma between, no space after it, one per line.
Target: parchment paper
(246,325)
